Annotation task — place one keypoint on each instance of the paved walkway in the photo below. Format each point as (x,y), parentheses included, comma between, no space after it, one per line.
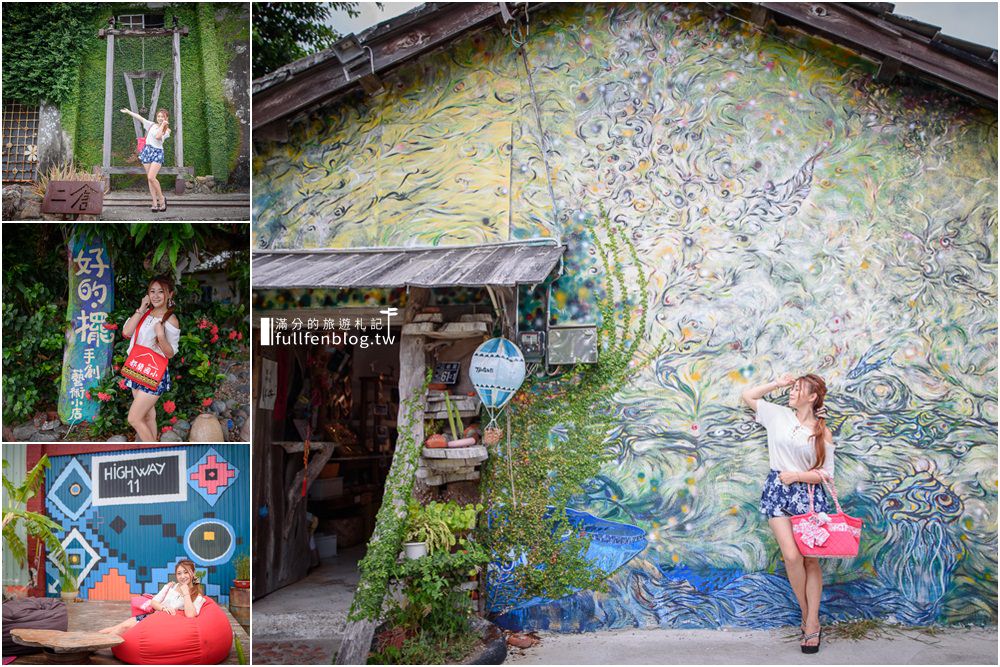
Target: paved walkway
(740,647)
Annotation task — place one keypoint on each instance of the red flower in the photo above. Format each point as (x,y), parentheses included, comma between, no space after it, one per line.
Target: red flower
(121,384)
(103,397)
(203,324)
(207,402)
(182,360)
(239,336)
(213,339)
(173,420)
(115,367)
(178,377)
(112,327)
(87,394)
(232,335)
(166,428)
(169,407)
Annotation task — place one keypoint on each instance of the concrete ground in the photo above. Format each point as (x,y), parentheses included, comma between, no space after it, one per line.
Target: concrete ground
(741,647)
(303,623)
(92,615)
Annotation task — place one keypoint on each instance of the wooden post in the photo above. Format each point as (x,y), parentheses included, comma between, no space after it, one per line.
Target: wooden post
(109,84)
(358,635)
(178,113)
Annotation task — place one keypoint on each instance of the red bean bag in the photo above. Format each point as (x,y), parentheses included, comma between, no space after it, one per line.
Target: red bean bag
(162,639)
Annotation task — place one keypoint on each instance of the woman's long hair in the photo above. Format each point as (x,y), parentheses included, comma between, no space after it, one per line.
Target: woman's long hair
(817,386)
(167,284)
(195,585)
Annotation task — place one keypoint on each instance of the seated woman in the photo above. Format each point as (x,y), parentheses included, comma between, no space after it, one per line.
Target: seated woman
(184,596)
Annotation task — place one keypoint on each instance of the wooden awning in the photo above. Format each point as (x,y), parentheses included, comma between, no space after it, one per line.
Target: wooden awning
(506,264)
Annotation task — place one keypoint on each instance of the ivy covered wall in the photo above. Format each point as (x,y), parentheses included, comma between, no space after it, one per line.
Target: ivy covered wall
(791,214)
(214,55)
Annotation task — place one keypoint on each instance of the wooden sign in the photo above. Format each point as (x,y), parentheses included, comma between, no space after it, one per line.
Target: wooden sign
(135,478)
(89,343)
(74,198)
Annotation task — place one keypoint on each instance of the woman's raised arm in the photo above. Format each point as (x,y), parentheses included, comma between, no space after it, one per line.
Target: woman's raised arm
(750,395)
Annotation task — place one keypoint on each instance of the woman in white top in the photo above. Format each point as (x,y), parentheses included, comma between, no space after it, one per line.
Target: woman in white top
(184,596)
(160,331)
(800,452)
(152,156)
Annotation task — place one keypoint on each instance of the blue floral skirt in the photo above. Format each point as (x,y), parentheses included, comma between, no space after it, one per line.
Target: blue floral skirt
(780,499)
(164,386)
(151,154)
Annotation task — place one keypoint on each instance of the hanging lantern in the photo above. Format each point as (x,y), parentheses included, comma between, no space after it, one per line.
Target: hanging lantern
(496,371)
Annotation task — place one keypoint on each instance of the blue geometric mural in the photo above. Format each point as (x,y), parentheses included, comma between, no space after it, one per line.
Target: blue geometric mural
(138,543)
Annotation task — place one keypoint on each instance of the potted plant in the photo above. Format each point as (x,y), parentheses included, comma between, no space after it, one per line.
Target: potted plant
(435,440)
(239,594)
(455,423)
(426,531)
(16,516)
(69,589)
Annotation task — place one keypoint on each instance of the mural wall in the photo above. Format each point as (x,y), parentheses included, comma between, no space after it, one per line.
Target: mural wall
(792,215)
(130,516)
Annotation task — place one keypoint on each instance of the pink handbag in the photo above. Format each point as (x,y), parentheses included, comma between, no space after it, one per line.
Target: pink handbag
(822,535)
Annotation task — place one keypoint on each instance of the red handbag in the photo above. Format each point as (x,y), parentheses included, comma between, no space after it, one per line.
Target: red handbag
(144,365)
(140,143)
(822,535)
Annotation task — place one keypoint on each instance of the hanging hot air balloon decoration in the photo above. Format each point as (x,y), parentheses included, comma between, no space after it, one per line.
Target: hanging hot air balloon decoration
(497,372)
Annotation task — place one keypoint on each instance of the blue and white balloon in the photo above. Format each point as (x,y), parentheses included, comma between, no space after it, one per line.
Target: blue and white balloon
(496,371)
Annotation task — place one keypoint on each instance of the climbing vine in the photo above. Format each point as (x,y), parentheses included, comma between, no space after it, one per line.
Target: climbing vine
(559,439)
(377,566)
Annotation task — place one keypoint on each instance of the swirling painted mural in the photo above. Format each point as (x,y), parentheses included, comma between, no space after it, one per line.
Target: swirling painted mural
(792,214)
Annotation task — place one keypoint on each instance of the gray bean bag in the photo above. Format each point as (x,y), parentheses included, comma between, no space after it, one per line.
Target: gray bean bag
(37,613)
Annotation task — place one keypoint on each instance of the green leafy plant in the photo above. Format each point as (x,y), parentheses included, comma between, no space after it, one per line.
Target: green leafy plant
(67,581)
(390,527)
(241,655)
(422,526)
(17,516)
(538,472)
(430,623)
(454,418)
(242,565)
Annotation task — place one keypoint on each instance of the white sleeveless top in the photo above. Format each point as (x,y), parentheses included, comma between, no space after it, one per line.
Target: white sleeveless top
(789,443)
(151,131)
(146,335)
(169,596)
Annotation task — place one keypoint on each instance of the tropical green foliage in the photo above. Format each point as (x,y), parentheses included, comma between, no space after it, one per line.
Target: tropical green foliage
(43,44)
(16,515)
(287,31)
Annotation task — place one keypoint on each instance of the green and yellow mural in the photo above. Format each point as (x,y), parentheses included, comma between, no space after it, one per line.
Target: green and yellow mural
(792,215)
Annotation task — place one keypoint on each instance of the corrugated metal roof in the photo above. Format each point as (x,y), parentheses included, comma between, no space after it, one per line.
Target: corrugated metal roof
(515,263)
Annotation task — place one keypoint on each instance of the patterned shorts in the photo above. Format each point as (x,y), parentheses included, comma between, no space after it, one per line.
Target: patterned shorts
(788,500)
(142,616)
(151,154)
(165,385)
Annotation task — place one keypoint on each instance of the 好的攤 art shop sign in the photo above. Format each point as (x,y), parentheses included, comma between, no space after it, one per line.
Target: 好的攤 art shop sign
(89,344)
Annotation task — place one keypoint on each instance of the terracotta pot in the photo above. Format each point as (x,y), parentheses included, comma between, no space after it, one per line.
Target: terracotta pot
(241,583)
(436,441)
(206,428)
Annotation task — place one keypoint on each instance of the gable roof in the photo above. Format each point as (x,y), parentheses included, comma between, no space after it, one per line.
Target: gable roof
(900,44)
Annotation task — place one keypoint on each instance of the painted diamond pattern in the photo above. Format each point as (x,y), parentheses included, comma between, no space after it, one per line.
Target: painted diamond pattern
(211,476)
(82,556)
(70,492)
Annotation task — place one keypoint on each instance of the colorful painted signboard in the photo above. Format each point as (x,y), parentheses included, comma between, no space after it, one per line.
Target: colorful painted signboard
(129,516)
(87,354)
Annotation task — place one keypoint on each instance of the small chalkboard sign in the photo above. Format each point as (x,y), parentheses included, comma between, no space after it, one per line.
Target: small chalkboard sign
(74,198)
(136,478)
(446,372)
